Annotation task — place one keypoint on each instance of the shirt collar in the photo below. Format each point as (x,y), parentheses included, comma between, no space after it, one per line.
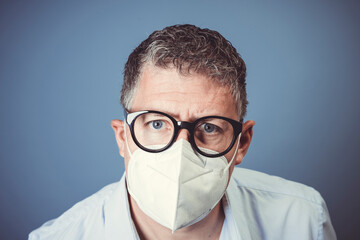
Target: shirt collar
(118,221)
(233,196)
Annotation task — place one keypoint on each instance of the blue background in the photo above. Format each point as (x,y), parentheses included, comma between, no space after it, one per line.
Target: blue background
(61,72)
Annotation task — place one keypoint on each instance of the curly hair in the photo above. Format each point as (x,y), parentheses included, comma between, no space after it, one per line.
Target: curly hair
(189,49)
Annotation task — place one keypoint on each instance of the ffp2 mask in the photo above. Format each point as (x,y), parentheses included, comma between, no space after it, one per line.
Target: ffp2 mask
(177,187)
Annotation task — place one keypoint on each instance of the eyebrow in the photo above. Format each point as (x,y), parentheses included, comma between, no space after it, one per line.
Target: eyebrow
(177,116)
(156,115)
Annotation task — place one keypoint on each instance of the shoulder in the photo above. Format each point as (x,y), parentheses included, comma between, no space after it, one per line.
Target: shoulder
(85,217)
(278,207)
(257,181)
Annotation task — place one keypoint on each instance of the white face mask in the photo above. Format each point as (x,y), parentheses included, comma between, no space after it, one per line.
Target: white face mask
(177,187)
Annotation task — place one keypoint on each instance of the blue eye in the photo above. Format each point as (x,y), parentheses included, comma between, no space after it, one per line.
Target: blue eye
(157,124)
(208,128)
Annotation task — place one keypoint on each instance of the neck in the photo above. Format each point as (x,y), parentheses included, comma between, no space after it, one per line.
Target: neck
(208,228)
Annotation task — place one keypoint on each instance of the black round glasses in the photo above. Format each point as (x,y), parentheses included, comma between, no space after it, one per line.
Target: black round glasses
(154,131)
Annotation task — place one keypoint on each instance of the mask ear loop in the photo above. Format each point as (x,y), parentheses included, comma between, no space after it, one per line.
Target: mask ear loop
(126,142)
(233,157)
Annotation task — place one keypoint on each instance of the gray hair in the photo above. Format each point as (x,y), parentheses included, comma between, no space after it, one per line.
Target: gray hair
(190,50)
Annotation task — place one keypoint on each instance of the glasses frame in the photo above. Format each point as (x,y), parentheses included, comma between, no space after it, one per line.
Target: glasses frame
(178,125)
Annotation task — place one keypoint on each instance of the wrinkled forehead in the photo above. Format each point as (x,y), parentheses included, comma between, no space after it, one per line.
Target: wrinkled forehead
(190,95)
(187,74)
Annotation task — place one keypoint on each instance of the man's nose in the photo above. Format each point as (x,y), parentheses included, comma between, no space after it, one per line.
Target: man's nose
(183,134)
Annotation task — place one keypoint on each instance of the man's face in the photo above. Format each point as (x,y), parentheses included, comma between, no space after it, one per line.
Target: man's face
(186,98)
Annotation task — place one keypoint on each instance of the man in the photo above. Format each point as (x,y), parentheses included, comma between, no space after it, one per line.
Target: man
(185,100)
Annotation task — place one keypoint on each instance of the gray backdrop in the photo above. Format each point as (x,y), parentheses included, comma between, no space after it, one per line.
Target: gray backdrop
(61,72)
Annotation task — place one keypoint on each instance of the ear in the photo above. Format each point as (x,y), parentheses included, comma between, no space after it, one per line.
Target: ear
(245,139)
(118,127)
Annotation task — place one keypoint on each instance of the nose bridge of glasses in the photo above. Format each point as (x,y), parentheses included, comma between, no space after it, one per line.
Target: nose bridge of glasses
(182,126)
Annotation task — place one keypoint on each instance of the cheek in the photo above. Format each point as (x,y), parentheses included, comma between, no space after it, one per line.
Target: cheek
(131,146)
(229,156)
(129,143)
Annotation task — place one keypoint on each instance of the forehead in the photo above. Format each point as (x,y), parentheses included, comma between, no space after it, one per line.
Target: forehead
(185,97)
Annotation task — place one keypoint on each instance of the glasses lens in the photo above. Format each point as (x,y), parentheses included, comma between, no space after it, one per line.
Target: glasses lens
(213,134)
(153,130)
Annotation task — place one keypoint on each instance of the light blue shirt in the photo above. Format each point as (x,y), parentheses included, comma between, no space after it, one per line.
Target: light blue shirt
(229,229)
(257,206)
